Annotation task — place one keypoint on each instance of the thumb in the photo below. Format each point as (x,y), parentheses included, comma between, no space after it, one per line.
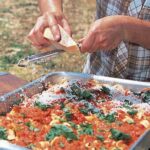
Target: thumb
(87,43)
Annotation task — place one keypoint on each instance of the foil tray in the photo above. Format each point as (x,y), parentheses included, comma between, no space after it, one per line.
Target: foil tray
(8,100)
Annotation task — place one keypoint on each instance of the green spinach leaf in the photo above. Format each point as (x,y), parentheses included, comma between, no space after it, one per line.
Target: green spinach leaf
(3,133)
(42,106)
(58,130)
(132,112)
(105,90)
(31,127)
(86,129)
(118,135)
(100,137)
(80,93)
(146,97)
(68,114)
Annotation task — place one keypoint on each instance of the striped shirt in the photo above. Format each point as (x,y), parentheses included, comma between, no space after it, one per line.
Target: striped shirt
(129,61)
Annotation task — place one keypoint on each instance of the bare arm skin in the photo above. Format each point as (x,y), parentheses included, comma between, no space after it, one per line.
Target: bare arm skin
(137,31)
(108,32)
(50,6)
(51,16)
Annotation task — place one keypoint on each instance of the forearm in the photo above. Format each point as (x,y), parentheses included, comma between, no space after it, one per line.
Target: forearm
(50,6)
(137,31)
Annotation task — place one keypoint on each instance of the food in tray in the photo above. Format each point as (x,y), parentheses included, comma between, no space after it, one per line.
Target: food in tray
(76,114)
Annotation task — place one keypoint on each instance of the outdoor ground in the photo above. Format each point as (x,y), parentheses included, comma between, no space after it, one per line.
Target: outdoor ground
(17,17)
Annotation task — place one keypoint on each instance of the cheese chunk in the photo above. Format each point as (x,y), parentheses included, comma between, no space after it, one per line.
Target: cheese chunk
(145,123)
(66,43)
(11,134)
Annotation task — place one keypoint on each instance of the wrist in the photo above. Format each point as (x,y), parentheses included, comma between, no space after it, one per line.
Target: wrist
(125,27)
(120,21)
(50,6)
(129,28)
(55,6)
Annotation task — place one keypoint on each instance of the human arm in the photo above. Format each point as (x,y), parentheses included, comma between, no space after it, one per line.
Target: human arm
(108,32)
(50,6)
(51,16)
(137,31)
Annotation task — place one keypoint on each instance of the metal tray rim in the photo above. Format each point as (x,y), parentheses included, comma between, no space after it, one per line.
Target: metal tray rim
(42,80)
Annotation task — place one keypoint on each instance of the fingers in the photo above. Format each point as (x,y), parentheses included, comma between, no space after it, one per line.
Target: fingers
(48,20)
(87,43)
(66,26)
(53,25)
(36,34)
(32,38)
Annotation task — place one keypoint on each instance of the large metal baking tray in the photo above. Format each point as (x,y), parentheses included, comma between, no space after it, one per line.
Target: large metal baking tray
(7,101)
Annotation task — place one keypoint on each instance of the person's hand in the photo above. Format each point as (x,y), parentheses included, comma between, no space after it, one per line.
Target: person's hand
(105,34)
(50,20)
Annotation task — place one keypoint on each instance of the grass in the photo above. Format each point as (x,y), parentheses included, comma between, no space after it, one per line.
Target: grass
(8,61)
(16,20)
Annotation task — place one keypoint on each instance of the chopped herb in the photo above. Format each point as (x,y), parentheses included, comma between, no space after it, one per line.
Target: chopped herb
(127,102)
(17,102)
(126,106)
(132,112)
(69,116)
(105,90)
(101,116)
(146,96)
(62,89)
(31,127)
(3,133)
(86,95)
(79,93)
(110,117)
(42,106)
(136,93)
(28,124)
(76,90)
(62,120)
(62,105)
(118,135)
(91,108)
(73,125)
(58,130)
(100,137)
(23,115)
(86,129)
(84,111)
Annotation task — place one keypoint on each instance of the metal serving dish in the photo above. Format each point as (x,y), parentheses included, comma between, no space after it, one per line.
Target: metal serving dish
(39,85)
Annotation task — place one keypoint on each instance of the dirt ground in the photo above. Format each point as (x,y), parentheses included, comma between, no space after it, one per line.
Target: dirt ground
(16,20)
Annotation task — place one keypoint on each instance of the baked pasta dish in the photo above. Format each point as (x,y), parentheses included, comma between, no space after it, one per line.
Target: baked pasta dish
(78,115)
